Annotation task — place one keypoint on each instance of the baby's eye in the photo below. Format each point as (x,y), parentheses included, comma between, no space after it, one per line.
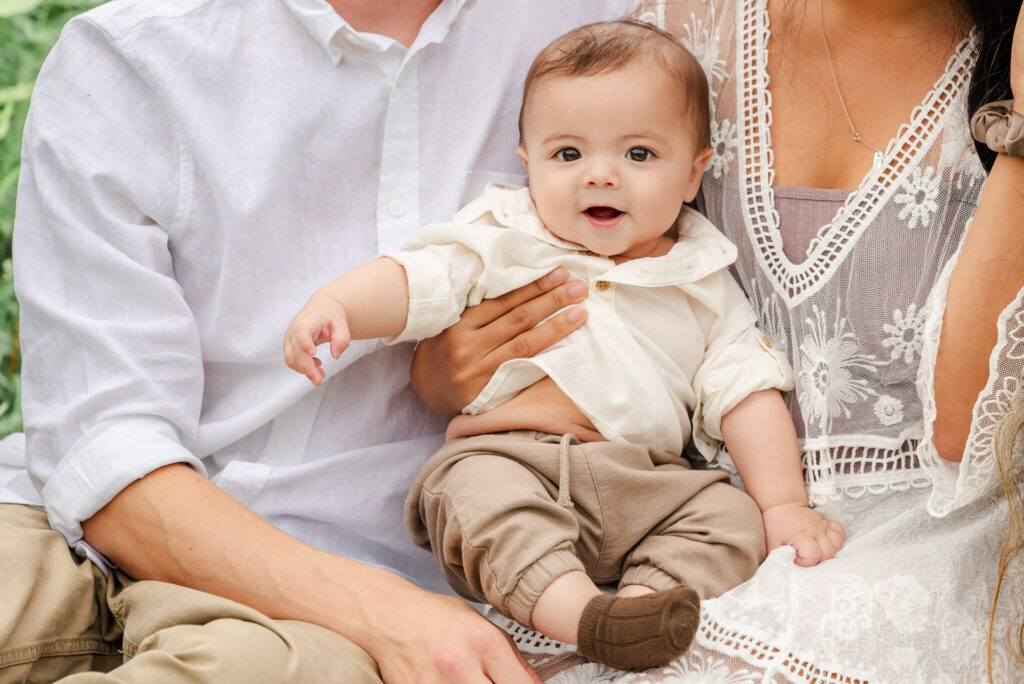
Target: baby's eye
(639,154)
(568,154)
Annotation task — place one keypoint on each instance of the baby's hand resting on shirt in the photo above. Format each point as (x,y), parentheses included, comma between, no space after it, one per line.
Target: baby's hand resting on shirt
(796,524)
(321,320)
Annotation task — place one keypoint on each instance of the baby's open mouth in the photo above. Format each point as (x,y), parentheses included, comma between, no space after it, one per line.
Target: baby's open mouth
(602,213)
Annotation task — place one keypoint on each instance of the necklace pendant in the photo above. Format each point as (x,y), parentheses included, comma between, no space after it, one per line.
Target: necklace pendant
(856,137)
(877,163)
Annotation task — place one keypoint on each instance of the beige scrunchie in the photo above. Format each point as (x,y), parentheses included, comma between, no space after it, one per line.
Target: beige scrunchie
(1000,128)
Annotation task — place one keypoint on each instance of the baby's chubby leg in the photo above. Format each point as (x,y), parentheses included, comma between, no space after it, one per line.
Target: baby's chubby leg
(558,611)
(489,506)
(494,524)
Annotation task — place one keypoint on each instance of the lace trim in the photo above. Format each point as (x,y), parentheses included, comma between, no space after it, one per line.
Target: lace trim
(958,484)
(829,248)
(858,471)
(714,636)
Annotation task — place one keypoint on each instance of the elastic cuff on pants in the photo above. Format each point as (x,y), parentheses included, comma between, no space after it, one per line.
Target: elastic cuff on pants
(649,576)
(520,601)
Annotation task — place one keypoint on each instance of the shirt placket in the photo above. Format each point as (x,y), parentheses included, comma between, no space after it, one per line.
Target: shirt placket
(597,270)
(398,195)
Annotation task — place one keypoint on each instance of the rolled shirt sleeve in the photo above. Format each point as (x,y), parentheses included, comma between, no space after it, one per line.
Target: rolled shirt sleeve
(738,360)
(112,372)
(440,278)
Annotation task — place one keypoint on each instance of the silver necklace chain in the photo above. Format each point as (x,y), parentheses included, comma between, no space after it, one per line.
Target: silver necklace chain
(842,103)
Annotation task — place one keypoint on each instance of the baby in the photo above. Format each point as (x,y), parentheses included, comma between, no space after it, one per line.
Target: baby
(566,471)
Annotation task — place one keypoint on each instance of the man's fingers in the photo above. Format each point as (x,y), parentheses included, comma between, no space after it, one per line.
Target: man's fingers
(535,339)
(491,310)
(506,665)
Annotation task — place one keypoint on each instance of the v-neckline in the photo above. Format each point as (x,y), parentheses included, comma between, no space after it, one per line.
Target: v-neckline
(834,240)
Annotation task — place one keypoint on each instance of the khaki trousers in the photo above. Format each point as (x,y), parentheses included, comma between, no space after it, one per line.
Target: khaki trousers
(507,514)
(61,619)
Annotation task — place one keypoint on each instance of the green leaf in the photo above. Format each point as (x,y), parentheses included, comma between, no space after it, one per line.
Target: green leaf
(16,93)
(9,8)
(9,180)
(6,112)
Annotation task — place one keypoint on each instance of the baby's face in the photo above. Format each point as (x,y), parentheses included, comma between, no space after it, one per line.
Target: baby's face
(611,157)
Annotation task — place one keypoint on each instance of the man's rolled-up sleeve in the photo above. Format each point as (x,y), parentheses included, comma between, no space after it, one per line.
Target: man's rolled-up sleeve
(112,370)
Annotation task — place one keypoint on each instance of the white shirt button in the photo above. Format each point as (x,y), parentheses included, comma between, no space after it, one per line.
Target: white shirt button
(396,208)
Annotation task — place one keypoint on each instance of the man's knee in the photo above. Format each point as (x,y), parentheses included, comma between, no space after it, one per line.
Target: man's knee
(228,650)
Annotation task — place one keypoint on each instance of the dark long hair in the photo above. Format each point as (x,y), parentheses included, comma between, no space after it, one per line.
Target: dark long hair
(994,20)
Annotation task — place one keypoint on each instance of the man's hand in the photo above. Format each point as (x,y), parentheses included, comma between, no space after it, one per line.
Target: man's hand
(450,369)
(322,319)
(795,524)
(430,638)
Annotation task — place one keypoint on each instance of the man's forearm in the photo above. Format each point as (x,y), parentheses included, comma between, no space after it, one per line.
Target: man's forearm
(175,526)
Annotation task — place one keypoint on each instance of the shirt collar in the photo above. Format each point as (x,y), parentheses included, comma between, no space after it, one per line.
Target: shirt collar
(701,249)
(335,35)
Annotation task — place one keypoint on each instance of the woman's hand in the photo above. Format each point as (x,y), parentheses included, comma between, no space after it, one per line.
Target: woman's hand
(450,369)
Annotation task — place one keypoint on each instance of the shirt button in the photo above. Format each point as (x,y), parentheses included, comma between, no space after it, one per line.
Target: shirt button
(396,208)
(602,285)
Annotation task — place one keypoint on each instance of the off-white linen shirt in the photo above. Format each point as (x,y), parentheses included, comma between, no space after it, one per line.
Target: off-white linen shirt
(666,337)
(193,171)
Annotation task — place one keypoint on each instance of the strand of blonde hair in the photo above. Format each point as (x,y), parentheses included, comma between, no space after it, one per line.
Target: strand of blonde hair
(1005,439)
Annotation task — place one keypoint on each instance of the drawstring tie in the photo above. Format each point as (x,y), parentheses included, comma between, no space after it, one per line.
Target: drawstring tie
(563,471)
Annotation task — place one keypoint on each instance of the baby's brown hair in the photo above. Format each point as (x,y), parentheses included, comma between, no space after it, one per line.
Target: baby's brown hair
(611,45)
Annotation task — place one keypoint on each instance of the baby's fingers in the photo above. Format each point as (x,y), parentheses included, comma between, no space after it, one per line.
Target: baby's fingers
(340,339)
(836,533)
(808,551)
(310,367)
(299,359)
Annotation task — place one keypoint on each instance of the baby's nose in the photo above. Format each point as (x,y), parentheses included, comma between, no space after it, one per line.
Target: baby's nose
(602,174)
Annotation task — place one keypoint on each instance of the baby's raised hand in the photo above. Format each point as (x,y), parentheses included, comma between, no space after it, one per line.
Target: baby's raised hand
(796,524)
(320,320)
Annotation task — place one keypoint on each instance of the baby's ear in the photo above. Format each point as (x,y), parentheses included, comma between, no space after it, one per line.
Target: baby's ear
(700,162)
(521,153)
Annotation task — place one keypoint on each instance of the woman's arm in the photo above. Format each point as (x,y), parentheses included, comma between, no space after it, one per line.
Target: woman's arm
(987,277)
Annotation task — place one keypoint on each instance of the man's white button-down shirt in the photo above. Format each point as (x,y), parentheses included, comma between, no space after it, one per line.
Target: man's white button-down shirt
(193,171)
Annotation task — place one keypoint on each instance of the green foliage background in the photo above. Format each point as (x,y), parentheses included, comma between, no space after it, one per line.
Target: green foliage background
(28,29)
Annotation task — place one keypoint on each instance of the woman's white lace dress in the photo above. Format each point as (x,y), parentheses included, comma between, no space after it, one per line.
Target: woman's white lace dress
(908,598)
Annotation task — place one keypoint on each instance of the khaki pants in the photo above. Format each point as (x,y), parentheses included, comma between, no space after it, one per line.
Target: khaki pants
(507,514)
(61,618)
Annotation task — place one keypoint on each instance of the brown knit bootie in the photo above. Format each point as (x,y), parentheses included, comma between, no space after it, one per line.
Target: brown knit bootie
(640,632)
